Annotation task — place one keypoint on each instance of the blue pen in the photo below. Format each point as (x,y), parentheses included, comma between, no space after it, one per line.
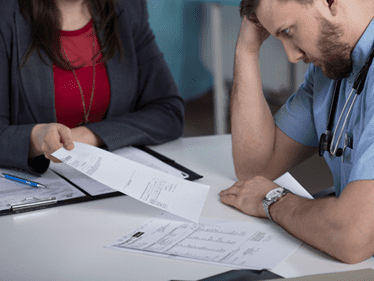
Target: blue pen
(21,180)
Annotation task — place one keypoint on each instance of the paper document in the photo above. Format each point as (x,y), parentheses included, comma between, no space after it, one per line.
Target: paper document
(89,185)
(223,242)
(289,182)
(150,186)
(94,187)
(13,192)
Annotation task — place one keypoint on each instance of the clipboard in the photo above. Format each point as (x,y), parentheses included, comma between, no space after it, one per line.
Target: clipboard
(16,197)
(191,174)
(243,275)
(41,200)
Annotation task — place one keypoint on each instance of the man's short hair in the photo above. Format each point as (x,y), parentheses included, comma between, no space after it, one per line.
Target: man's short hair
(247,8)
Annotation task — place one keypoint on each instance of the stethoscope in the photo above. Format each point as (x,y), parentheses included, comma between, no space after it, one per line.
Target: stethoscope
(327,141)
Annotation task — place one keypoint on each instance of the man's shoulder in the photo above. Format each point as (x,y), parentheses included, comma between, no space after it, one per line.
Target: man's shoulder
(315,78)
(315,70)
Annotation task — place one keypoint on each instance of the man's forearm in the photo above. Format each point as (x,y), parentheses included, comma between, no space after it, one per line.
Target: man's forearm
(252,124)
(321,223)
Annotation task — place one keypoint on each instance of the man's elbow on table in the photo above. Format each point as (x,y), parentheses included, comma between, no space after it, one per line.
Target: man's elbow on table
(245,175)
(241,174)
(248,170)
(354,248)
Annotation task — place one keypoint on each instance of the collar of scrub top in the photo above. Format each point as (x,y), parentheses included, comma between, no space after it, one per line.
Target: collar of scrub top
(326,142)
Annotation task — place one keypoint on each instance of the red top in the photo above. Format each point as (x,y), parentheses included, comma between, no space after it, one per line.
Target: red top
(68,101)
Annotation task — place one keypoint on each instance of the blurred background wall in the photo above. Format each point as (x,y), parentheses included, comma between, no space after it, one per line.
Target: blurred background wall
(177,25)
(183,32)
(184,29)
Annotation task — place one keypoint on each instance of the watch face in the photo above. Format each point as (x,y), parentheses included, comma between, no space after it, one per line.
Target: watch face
(274,193)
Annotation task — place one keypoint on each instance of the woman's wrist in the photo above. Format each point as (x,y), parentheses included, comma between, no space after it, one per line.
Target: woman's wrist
(34,151)
(85,135)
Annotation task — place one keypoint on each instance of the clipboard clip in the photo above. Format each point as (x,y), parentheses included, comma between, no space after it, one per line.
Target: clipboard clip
(32,202)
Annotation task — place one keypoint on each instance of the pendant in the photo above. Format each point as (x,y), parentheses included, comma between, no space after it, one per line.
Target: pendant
(83,123)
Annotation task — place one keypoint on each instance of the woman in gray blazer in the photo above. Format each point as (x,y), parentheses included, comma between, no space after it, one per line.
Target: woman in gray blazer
(81,70)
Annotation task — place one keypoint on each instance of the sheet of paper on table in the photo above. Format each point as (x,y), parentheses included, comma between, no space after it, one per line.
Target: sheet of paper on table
(94,187)
(148,185)
(221,242)
(224,242)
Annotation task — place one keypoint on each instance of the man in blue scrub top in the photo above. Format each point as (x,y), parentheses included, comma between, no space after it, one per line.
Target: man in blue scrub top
(336,38)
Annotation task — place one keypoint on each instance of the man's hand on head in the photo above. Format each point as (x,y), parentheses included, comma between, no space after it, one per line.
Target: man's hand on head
(251,36)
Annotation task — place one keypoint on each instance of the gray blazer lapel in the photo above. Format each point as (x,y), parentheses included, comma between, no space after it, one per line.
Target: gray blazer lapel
(36,77)
(119,87)
(122,75)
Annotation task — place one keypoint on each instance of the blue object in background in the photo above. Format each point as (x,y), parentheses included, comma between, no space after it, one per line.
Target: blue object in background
(176,25)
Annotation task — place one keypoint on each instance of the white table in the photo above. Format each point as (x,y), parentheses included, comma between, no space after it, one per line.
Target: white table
(67,243)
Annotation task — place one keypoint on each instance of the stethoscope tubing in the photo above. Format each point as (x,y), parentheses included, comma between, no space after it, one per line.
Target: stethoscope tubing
(333,148)
(358,86)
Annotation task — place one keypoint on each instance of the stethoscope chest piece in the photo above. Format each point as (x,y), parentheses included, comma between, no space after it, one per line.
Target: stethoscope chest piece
(325,143)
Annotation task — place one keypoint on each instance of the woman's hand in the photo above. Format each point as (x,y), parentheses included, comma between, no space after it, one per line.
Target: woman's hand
(47,138)
(85,135)
(251,37)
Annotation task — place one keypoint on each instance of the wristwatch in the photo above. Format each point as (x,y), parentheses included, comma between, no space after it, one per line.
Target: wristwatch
(273,196)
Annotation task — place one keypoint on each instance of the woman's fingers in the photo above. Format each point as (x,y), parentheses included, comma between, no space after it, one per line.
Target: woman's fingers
(47,138)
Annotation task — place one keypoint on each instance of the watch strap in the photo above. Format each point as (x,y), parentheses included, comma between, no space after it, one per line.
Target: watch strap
(267,203)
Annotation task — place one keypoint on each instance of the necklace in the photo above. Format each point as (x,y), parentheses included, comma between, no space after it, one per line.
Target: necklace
(86,113)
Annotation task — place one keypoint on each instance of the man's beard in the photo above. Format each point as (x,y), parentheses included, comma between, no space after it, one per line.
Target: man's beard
(336,62)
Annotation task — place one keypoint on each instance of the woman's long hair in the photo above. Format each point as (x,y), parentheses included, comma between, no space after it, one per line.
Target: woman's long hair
(45,29)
